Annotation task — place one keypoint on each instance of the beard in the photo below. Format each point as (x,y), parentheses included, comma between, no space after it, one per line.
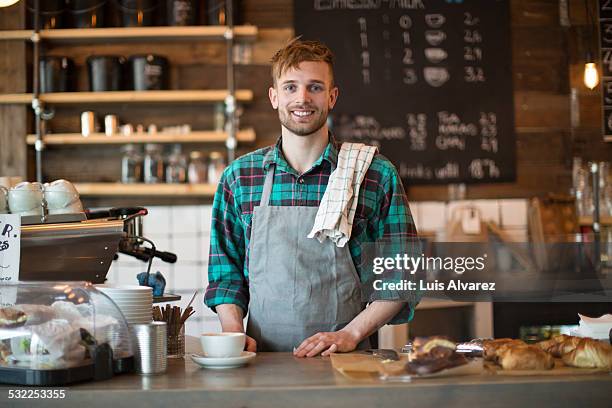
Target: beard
(302,129)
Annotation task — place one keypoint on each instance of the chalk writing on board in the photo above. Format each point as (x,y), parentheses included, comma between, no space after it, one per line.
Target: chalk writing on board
(367,127)
(429,82)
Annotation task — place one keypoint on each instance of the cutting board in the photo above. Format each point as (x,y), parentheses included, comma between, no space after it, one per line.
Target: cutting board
(365,367)
(558,369)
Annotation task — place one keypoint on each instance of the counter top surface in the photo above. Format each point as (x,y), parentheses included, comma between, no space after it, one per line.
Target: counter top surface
(281,380)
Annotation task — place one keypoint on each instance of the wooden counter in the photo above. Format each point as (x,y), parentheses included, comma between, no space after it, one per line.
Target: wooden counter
(280,380)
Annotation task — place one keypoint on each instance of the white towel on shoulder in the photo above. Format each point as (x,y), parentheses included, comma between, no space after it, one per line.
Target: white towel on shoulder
(334,218)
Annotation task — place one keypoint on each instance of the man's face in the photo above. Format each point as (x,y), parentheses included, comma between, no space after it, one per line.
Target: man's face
(303,97)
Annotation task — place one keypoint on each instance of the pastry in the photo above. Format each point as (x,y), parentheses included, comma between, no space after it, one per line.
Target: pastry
(525,357)
(433,354)
(429,364)
(423,345)
(492,347)
(559,345)
(589,353)
(11,317)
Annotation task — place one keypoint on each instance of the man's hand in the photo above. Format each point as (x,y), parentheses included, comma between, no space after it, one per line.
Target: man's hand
(251,344)
(327,343)
(230,317)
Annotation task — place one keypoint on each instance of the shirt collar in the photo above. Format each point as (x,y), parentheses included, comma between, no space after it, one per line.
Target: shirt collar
(275,155)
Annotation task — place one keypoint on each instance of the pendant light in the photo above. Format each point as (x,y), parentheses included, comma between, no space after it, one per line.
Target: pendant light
(591,75)
(6,3)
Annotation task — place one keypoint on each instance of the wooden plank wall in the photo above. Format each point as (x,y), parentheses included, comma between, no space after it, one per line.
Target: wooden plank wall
(547,63)
(13,119)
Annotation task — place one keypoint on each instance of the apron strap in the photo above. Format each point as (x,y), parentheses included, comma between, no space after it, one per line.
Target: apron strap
(267,188)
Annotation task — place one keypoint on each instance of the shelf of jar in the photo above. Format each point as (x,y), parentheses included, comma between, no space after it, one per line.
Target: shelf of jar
(173,96)
(586,221)
(122,34)
(142,190)
(243,136)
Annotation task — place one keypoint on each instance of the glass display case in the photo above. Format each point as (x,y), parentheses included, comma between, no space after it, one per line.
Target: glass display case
(54,333)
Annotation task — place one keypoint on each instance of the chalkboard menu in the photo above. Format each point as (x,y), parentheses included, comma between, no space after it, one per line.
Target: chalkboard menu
(428,81)
(605,37)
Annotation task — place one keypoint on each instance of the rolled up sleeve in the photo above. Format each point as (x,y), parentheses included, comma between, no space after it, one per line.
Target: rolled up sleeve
(395,226)
(226,280)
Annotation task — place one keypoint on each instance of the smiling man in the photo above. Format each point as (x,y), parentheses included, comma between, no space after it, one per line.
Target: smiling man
(302,294)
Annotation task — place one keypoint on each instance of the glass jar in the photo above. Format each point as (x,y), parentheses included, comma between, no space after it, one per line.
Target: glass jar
(131,165)
(153,164)
(197,172)
(176,169)
(216,165)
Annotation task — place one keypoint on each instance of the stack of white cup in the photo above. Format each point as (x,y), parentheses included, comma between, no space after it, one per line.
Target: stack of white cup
(62,198)
(3,200)
(26,199)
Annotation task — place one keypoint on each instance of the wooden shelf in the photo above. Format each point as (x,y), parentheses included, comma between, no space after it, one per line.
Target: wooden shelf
(174,96)
(16,34)
(122,34)
(245,136)
(607,138)
(586,221)
(15,99)
(142,190)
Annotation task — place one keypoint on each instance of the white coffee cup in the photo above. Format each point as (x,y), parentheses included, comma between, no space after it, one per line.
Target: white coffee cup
(3,200)
(26,199)
(223,344)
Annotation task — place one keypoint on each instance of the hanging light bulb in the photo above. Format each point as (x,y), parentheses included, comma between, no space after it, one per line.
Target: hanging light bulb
(591,76)
(6,3)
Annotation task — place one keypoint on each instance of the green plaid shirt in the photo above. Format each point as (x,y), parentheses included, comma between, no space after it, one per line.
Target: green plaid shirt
(382,214)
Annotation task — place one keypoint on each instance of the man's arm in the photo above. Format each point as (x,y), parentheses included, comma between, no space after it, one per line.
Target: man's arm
(231,318)
(376,315)
(227,292)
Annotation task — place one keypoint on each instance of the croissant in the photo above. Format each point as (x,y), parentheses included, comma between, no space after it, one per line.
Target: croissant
(590,353)
(491,348)
(566,346)
(559,345)
(524,357)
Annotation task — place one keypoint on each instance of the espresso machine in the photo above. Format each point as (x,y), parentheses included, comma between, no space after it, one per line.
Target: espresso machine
(81,247)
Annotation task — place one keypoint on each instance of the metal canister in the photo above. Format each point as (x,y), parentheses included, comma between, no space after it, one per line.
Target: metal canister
(150,347)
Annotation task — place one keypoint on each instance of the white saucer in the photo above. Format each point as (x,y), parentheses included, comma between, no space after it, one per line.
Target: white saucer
(223,362)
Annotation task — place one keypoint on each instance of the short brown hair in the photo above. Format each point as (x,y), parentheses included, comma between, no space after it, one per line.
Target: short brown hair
(297,51)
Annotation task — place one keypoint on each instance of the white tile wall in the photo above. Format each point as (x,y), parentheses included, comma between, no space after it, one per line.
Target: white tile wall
(185,220)
(157,221)
(513,213)
(415,210)
(187,247)
(432,215)
(184,230)
(489,209)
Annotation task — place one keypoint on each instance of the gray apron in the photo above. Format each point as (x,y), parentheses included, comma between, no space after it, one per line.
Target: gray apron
(298,286)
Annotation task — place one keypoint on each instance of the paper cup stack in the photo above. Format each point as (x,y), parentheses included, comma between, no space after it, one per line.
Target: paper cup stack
(135,302)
